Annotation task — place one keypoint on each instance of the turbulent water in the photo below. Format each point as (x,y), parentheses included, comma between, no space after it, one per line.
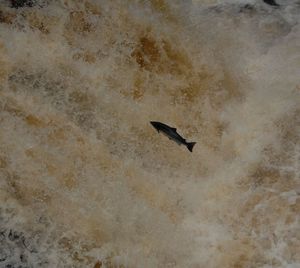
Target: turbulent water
(86,181)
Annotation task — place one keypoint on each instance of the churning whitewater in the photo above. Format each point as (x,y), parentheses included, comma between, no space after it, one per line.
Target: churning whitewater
(85,180)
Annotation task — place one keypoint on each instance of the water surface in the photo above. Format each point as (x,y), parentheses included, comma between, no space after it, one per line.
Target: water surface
(85,181)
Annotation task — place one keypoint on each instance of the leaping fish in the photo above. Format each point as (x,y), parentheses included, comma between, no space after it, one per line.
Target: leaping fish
(172,134)
(271,3)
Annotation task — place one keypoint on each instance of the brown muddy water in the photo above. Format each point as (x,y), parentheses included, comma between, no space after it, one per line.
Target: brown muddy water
(85,180)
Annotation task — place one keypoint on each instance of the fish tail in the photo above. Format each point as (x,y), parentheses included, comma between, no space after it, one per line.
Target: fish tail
(190,145)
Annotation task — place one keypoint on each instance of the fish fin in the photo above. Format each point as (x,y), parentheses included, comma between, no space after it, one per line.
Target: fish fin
(190,145)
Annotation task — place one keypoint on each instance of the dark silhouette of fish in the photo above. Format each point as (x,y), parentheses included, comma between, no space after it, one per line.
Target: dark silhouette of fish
(172,134)
(271,3)
(21,3)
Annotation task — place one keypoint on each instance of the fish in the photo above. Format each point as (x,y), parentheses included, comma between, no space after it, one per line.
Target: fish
(172,134)
(21,3)
(271,3)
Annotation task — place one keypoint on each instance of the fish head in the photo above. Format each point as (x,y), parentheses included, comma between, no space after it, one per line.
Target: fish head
(155,125)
